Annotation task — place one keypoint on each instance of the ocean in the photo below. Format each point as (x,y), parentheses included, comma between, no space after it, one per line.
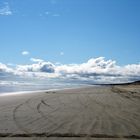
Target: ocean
(21,84)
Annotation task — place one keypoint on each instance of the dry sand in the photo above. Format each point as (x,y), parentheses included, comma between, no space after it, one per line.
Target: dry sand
(91,113)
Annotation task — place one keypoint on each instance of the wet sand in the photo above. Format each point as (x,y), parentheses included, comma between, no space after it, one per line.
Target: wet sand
(88,113)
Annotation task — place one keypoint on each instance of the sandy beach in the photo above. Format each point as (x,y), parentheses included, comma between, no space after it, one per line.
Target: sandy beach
(88,113)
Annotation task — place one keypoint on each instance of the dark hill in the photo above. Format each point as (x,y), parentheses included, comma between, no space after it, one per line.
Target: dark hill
(135,83)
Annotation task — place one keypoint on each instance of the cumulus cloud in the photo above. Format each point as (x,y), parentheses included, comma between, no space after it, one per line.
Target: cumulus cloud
(41,66)
(5,72)
(95,70)
(4,68)
(25,53)
(5,9)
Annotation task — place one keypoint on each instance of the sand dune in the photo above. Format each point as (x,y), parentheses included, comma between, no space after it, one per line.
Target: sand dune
(102,112)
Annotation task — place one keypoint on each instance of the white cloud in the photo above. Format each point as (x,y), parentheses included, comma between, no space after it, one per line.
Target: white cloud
(25,53)
(95,70)
(4,68)
(5,10)
(41,66)
(36,60)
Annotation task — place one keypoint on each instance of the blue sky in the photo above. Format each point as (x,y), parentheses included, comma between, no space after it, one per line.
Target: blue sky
(96,41)
(69,31)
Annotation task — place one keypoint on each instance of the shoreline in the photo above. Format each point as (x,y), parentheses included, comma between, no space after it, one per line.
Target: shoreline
(77,86)
(47,90)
